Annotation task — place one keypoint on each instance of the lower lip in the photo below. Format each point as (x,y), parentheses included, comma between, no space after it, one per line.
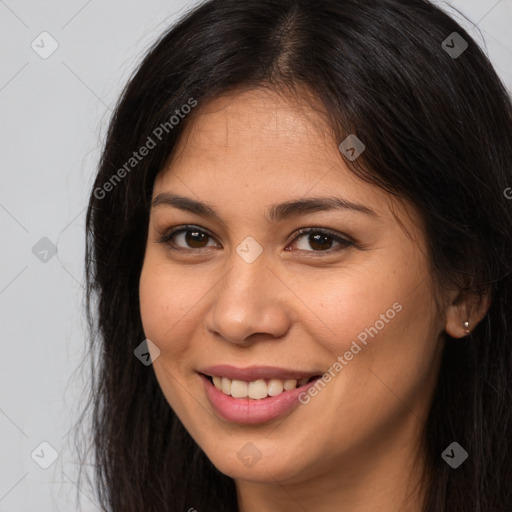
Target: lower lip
(250,411)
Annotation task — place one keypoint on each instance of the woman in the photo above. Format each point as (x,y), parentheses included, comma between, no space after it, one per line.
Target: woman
(299,219)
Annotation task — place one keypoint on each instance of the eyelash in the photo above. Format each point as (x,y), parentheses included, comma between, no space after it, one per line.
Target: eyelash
(344,243)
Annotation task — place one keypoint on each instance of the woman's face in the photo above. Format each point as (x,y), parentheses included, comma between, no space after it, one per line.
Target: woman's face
(242,296)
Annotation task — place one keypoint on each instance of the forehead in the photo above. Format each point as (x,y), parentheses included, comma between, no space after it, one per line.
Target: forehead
(251,121)
(258,136)
(256,147)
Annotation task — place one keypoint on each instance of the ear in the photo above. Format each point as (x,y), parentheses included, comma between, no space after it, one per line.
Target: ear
(466,307)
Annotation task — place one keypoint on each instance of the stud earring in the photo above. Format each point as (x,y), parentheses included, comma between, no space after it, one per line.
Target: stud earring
(466,326)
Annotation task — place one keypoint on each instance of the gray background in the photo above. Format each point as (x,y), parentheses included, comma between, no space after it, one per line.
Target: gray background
(54,114)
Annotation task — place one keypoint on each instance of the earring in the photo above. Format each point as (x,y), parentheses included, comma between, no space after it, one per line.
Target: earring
(466,326)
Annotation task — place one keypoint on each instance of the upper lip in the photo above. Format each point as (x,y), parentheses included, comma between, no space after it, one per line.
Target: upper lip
(253,373)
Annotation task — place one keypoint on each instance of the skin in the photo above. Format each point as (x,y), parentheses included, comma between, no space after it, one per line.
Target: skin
(356,443)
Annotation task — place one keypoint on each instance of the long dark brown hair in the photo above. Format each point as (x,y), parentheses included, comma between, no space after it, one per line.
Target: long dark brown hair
(438,132)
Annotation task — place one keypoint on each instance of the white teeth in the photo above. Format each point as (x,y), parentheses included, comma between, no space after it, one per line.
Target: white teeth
(290,384)
(275,387)
(239,388)
(226,386)
(217,382)
(257,389)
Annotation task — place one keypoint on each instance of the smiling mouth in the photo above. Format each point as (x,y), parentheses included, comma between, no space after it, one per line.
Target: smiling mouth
(257,389)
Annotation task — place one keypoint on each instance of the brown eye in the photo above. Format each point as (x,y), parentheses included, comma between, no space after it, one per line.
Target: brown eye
(188,237)
(196,239)
(319,241)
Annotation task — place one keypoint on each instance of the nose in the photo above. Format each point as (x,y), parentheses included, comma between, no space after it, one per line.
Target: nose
(249,304)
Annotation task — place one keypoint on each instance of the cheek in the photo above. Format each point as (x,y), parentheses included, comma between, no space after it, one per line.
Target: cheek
(155,305)
(354,305)
(162,302)
(161,308)
(170,304)
(380,320)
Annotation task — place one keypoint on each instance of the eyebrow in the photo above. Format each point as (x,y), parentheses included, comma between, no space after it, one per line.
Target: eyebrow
(276,212)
